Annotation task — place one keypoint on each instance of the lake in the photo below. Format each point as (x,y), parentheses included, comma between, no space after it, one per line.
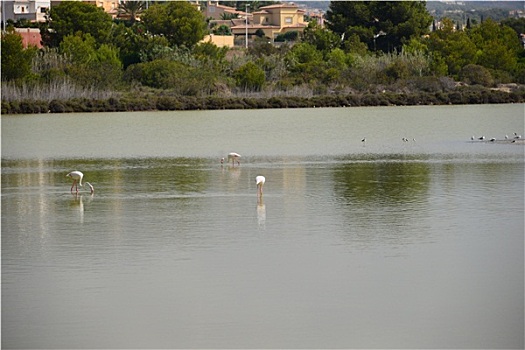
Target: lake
(413,238)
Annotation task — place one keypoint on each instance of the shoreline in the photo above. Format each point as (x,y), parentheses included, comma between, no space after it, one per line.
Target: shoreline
(150,102)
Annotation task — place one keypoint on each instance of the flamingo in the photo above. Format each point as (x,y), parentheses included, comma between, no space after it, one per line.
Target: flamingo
(234,157)
(259,180)
(77,180)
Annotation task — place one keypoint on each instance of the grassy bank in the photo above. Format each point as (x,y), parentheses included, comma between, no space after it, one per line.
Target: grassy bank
(150,102)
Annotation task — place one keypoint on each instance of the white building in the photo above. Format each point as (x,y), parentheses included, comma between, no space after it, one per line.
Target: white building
(32,10)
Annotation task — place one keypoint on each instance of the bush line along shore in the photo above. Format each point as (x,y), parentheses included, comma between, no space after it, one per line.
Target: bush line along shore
(180,103)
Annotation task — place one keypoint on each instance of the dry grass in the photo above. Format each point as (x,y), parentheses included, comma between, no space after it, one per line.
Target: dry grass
(59,89)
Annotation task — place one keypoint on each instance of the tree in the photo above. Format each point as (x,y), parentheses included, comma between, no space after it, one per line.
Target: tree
(304,61)
(223,29)
(227,16)
(452,48)
(498,45)
(81,50)
(134,44)
(287,36)
(518,24)
(323,39)
(131,9)
(250,77)
(209,53)
(179,21)
(71,17)
(16,61)
(399,20)
(91,66)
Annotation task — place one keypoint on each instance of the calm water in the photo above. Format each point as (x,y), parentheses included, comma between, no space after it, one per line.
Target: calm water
(382,244)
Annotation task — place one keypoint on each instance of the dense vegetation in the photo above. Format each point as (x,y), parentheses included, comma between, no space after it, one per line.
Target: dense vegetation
(370,53)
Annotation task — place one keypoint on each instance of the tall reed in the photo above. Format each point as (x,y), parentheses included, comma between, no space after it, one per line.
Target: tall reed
(59,89)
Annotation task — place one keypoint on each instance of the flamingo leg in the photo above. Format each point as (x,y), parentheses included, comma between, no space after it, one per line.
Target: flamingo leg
(73,185)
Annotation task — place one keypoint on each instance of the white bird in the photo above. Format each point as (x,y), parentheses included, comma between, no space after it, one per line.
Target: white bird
(234,157)
(260,180)
(472,137)
(77,180)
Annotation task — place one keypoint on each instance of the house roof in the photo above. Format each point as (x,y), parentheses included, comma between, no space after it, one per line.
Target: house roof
(290,5)
(238,21)
(229,9)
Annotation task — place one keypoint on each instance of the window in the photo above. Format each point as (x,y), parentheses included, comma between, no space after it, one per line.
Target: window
(288,20)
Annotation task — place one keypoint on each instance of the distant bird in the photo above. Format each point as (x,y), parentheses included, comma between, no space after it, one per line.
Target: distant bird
(364,139)
(234,157)
(481,138)
(516,136)
(472,137)
(77,180)
(260,180)
(506,137)
(493,139)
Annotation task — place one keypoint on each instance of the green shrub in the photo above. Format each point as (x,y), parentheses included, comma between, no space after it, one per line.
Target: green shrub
(169,103)
(56,106)
(474,74)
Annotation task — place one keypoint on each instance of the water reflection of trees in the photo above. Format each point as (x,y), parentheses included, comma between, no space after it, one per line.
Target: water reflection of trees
(382,198)
(183,175)
(382,182)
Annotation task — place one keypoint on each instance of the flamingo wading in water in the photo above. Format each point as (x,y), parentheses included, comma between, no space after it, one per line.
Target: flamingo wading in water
(77,180)
(234,157)
(260,180)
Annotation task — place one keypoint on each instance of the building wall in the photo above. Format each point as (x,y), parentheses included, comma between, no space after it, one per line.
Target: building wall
(110,6)
(219,40)
(32,10)
(286,17)
(30,36)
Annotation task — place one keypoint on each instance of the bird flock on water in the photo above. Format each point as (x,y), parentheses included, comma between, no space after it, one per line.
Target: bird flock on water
(514,138)
(234,158)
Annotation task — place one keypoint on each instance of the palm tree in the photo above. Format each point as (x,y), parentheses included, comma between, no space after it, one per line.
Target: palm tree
(131,9)
(228,16)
